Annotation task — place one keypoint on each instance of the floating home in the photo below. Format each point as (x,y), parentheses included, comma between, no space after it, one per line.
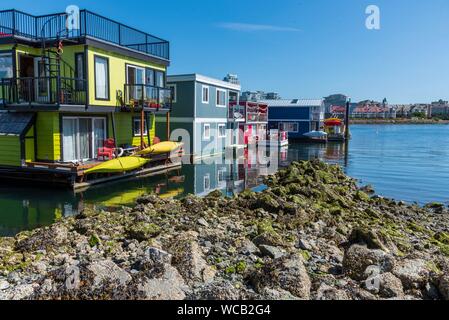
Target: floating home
(296,116)
(64,92)
(251,118)
(201,109)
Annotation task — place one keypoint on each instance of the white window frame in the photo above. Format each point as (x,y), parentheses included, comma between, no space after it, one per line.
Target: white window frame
(206,138)
(221,125)
(145,129)
(107,79)
(92,138)
(9,55)
(281,124)
(225,98)
(202,94)
(221,172)
(174,87)
(206,178)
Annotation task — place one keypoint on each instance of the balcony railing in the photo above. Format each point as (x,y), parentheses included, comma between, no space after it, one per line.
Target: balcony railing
(147,96)
(49,27)
(42,91)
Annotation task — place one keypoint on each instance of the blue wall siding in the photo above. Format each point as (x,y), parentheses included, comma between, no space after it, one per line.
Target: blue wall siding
(184,105)
(294,113)
(303,127)
(214,145)
(210,110)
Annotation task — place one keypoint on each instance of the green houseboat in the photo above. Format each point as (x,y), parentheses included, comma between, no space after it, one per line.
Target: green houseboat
(65,91)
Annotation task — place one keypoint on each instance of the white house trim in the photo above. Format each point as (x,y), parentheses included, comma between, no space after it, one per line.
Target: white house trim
(205,80)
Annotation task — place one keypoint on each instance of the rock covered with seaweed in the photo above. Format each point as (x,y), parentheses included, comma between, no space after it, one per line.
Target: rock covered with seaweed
(312,234)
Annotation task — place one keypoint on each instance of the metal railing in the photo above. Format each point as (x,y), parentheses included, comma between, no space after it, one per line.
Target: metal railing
(53,26)
(138,95)
(42,91)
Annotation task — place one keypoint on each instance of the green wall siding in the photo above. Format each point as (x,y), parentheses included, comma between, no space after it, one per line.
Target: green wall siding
(124,128)
(10,151)
(48,137)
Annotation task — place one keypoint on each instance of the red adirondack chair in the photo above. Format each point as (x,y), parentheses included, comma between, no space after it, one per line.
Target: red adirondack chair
(108,150)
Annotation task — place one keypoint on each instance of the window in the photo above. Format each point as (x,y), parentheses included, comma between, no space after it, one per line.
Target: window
(221,175)
(137,127)
(101,78)
(135,77)
(288,126)
(221,98)
(160,79)
(205,94)
(79,71)
(221,131)
(206,182)
(149,76)
(82,137)
(6,66)
(173,92)
(206,133)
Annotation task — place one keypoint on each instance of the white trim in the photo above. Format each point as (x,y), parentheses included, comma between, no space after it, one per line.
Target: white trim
(207,175)
(175,96)
(208,94)
(206,138)
(205,80)
(225,99)
(92,150)
(218,130)
(145,130)
(213,120)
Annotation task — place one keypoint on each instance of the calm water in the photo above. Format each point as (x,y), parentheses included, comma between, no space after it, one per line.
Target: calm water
(405,162)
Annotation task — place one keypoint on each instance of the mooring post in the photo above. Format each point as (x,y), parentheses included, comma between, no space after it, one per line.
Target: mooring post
(348,104)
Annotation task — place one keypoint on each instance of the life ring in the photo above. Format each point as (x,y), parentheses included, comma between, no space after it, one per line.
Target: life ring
(120,152)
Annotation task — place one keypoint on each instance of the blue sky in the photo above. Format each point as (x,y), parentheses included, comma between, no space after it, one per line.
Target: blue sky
(299,48)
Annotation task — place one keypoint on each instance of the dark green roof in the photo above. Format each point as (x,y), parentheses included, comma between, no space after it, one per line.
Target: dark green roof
(14,123)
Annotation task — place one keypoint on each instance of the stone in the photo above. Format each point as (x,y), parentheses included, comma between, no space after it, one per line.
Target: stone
(277,294)
(22,292)
(272,252)
(304,245)
(216,290)
(414,273)
(248,248)
(390,286)
(170,286)
(158,255)
(106,272)
(189,259)
(203,222)
(358,258)
(326,292)
(443,286)
(287,273)
(4,285)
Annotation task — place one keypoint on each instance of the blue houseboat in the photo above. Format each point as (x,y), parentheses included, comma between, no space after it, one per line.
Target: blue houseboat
(296,116)
(201,106)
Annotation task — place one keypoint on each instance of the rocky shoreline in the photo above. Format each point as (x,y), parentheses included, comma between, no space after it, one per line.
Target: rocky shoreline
(313,234)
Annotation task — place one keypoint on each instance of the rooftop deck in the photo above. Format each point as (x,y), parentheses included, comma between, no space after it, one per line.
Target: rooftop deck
(18,24)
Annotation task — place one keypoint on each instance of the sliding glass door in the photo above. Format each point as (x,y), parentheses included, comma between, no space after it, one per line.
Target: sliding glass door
(82,137)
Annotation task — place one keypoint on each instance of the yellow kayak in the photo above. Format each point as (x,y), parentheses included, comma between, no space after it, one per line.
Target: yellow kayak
(160,148)
(118,165)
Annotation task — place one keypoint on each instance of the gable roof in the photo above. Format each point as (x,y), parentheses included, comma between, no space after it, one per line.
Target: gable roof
(293,103)
(14,123)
